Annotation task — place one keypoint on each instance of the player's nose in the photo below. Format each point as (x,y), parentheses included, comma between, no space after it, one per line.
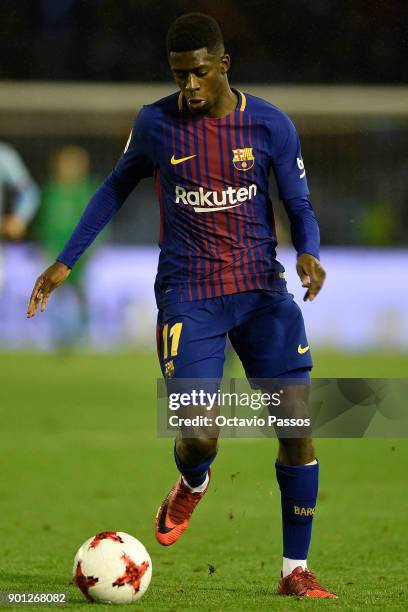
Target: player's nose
(192,83)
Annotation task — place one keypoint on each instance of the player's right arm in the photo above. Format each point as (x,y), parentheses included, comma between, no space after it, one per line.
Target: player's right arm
(136,163)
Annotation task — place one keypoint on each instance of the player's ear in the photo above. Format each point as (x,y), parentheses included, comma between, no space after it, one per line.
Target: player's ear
(225,63)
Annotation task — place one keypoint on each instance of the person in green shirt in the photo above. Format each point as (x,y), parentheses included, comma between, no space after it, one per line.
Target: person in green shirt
(64,197)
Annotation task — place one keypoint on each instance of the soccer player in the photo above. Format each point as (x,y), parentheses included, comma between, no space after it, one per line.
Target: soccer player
(211,148)
(16,181)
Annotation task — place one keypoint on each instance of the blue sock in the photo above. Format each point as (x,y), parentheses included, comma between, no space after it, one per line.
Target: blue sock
(194,475)
(298,485)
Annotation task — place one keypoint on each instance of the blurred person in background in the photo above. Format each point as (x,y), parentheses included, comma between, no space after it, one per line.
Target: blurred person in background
(19,197)
(377,225)
(64,196)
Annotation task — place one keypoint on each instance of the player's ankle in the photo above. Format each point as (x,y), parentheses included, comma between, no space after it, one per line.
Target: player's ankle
(198,489)
(288,565)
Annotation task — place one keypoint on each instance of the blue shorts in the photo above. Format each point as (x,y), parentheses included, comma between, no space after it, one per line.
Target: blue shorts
(266,329)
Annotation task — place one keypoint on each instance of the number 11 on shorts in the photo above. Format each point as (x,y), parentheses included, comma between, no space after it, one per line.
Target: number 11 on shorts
(172,337)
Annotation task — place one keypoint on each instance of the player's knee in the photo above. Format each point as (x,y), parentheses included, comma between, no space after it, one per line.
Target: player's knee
(295,402)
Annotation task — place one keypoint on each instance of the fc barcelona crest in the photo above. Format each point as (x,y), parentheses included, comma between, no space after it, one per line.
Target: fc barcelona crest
(169,369)
(243,159)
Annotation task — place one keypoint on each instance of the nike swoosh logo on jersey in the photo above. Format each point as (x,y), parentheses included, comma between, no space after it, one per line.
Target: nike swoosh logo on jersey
(302,350)
(175,161)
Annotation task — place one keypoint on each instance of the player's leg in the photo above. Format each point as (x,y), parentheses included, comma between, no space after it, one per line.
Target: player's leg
(193,457)
(200,327)
(297,473)
(271,343)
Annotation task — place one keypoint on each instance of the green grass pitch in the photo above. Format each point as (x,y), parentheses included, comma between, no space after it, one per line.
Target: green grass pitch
(79,455)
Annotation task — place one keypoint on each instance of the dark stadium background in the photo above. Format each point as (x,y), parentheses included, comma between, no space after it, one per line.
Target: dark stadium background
(295,41)
(78,422)
(291,42)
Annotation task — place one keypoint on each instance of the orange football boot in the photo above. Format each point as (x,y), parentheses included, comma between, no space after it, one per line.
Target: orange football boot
(303,584)
(173,516)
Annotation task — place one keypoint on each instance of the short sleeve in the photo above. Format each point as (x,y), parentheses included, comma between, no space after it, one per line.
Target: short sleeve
(286,158)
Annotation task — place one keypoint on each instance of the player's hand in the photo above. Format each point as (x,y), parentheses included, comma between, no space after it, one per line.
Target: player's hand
(45,284)
(311,274)
(12,227)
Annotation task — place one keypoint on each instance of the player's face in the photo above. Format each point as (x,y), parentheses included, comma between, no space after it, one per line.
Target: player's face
(201,77)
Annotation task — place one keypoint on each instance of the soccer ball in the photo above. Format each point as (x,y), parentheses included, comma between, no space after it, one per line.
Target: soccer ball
(112,567)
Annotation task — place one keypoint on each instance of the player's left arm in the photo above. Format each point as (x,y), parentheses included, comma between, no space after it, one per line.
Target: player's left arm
(291,179)
(306,240)
(312,275)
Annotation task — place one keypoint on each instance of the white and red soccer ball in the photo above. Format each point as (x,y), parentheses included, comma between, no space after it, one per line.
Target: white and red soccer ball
(112,567)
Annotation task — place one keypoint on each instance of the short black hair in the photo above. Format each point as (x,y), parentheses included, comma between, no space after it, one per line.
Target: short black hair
(194,31)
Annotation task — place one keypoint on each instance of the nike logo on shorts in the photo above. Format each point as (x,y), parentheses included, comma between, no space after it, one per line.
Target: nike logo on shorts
(302,350)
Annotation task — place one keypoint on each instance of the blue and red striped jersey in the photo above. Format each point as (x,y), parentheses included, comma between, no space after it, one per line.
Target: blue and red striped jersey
(217,233)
